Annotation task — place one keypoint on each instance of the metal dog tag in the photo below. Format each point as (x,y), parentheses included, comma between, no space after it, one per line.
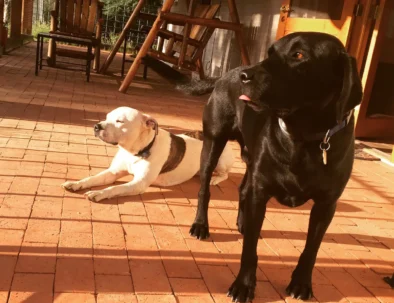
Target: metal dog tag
(324,156)
(325,146)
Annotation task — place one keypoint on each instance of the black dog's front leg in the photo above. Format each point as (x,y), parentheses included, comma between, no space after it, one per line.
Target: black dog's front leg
(242,290)
(243,188)
(321,215)
(211,151)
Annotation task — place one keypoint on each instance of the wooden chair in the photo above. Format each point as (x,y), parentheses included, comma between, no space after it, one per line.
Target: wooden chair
(79,19)
(197,37)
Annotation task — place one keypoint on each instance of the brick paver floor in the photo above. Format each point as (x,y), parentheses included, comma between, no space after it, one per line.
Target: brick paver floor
(57,246)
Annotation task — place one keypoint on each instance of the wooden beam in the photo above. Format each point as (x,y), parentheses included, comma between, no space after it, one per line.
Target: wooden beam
(1,24)
(149,17)
(179,19)
(198,54)
(161,39)
(160,56)
(122,35)
(186,34)
(177,37)
(150,38)
(238,34)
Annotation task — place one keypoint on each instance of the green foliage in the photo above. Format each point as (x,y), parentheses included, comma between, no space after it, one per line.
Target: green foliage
(112,6)
(40,28)
(110,40)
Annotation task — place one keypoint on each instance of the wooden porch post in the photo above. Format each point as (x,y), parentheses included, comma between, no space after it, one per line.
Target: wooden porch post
(122,36)
(27,17)
(16,18)
(145,47)
(1,24)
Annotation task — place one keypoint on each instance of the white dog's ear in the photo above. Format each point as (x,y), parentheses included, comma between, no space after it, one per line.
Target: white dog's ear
(151,123)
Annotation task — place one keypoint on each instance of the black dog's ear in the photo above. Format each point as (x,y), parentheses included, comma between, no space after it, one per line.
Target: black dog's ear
(352,92)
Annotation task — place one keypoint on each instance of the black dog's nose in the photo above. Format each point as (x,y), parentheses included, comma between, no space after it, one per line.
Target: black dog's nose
(246,76)
(98,127)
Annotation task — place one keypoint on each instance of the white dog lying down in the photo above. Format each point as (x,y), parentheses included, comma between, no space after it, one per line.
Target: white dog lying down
(152,155)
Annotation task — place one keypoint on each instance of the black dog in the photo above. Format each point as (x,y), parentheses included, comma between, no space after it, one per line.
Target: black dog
(292,115)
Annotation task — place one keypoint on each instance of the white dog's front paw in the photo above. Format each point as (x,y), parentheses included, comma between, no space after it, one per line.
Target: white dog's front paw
(96,195)
(215,180)
(72,186)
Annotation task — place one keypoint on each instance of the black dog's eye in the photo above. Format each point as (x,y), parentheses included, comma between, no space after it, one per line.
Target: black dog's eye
(298,55)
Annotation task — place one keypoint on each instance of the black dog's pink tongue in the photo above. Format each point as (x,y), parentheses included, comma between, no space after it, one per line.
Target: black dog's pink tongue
(244,98)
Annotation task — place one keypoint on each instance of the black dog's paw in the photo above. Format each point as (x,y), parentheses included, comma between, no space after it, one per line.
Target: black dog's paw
(389,281)
(241,290)
(240,228)
(299,289)
(200,231)
(240,222)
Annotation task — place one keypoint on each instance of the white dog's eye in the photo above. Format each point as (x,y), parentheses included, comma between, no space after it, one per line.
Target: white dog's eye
(119,121)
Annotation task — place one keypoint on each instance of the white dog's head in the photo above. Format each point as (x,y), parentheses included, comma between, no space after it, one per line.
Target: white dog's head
(126,127)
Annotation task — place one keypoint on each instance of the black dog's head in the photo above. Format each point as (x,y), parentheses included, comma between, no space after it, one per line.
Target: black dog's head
(303,70)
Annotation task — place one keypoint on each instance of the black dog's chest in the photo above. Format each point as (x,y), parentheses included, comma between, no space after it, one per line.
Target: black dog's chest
(289,172)
(290,187)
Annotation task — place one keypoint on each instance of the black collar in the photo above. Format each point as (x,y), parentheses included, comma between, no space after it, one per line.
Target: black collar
(145,152)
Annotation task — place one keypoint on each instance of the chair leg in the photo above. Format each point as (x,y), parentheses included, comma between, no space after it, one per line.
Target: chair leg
(88,62)
(96,63)
(37,54)
(200,69)
(51,60)
(41,49)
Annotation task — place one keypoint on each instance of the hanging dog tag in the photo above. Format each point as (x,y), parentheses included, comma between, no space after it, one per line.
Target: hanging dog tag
(324,156)
(324,147)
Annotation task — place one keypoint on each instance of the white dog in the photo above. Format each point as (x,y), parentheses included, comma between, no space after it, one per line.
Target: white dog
(152,155)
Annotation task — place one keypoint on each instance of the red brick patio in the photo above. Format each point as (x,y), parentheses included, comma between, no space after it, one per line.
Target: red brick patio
(57,246)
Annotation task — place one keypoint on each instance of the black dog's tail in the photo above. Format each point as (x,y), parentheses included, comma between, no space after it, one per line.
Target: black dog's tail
(197,134)
(197,87)
(181,81)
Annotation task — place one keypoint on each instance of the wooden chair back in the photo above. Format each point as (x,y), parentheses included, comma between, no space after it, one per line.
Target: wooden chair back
(78,17)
